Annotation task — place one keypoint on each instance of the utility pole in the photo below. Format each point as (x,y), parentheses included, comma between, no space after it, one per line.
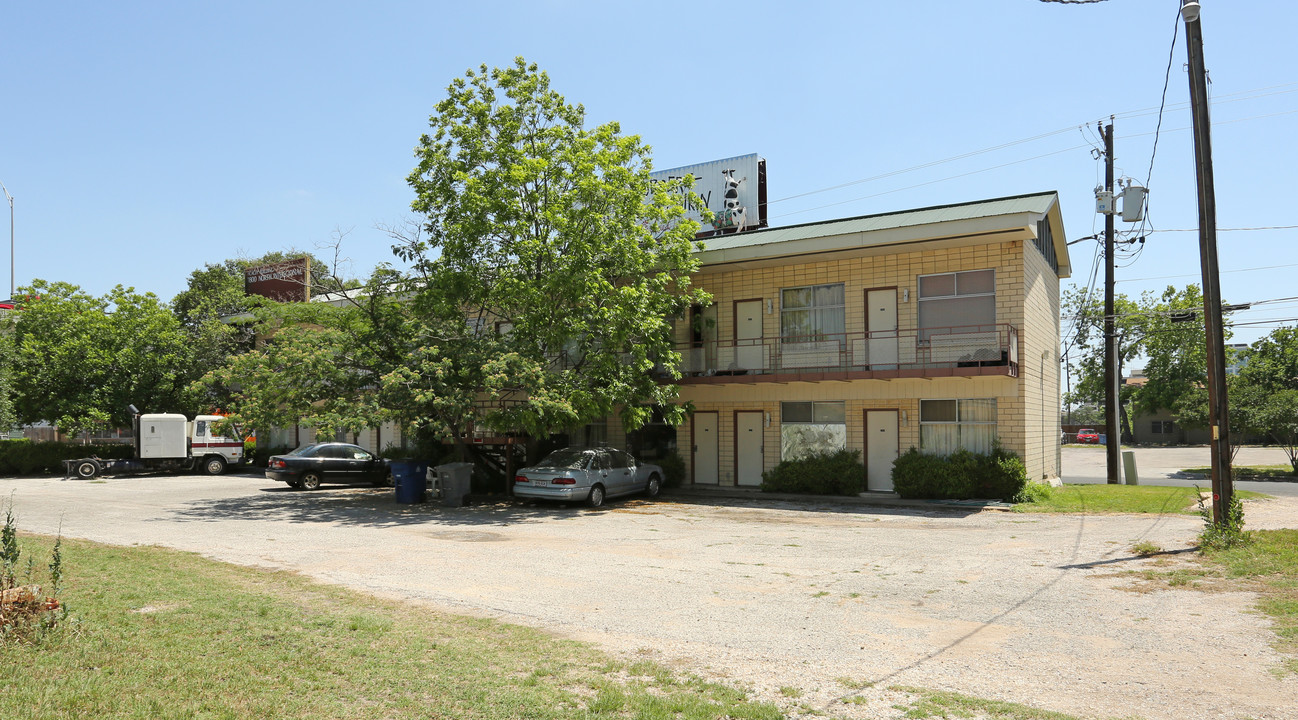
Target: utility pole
(1112,418)
(11,239)
(1218,417)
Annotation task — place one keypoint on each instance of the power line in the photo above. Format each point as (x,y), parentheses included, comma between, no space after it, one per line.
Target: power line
(1243,229)
(1173,277)
(913,168)
(982,170)
(1245,95)
(930,182)
(1167,77)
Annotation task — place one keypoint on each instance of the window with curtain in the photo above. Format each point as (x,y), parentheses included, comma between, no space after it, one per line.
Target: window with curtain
(948,425)
(961,300)
(808,428)
(812,313)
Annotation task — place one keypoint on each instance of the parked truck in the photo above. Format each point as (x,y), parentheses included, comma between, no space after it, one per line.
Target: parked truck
(167,441)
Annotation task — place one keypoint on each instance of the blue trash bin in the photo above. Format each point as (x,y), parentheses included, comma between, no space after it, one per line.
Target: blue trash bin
(409,478)
(1104,439)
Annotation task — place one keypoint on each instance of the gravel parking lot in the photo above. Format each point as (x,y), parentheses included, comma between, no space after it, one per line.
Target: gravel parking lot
(1026,608)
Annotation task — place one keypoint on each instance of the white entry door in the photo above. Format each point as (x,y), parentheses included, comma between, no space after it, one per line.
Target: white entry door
(705,448)
(881,321)
(880,449)
(748,448)
(750,353)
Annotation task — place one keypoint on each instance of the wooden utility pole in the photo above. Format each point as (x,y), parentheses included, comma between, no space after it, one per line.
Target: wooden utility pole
(1112,415)
(1218,417)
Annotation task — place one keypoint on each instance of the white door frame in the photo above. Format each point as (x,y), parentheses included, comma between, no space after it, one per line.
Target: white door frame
(879,451)
(881,326)
(707,441)
(750,350)
(749,460)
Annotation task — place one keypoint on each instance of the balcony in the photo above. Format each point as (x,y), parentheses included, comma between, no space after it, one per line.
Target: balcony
(967,351)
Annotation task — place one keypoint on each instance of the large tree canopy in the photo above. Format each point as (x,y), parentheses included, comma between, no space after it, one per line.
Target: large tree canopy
(80,360)
(1152,327)
(544,272)
(216,313)
(1264,395)
(548,256)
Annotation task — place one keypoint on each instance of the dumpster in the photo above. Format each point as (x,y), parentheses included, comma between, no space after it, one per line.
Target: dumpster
(408,476)
(452,480)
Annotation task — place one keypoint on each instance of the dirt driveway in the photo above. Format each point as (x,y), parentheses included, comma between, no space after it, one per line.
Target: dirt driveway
(769,595)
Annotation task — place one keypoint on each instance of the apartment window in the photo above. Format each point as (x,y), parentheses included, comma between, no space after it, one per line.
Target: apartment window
(948,425)
(956,300)
(812,313)
(808,428)
(595,433)
(1162,427)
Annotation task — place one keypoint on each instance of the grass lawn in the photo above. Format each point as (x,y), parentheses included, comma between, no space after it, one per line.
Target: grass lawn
(1259,472)
(160,633)
(1153,499)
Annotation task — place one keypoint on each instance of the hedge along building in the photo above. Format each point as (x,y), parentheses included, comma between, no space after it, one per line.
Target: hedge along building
(935,328)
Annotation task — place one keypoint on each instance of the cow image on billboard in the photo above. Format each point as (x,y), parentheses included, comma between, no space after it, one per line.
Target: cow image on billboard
(734,190)
(288,281)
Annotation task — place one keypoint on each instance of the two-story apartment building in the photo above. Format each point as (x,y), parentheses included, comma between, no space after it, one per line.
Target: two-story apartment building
(936,328)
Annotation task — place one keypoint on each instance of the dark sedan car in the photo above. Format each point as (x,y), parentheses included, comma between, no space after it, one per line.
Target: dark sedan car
(310,465)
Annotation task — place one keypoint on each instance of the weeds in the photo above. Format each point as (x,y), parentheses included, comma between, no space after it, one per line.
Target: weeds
(1145,548)
(27,618)
(1229,532)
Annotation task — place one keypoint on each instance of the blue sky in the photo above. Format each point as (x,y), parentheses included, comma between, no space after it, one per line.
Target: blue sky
(142,140)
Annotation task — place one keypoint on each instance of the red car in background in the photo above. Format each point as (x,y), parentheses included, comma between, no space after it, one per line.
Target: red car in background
(1087,435)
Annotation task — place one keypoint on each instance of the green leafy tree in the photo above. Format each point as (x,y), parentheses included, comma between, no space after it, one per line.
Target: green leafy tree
(318,364)
(80,360)
(548,269)
(216,313)
(544,274)
(1267,390)
(1174,351)
(1088,348)
(8,418)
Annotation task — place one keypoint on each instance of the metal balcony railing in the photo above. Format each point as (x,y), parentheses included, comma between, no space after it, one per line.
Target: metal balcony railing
(965,350)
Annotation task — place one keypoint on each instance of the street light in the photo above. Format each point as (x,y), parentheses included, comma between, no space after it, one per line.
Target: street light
(12,290)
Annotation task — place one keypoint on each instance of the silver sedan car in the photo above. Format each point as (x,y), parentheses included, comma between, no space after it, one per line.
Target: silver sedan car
(587,474)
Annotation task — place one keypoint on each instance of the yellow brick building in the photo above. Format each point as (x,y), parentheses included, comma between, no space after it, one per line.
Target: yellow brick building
(935,328)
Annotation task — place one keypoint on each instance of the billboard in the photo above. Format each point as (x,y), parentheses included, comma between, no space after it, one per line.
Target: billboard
(734,190)
(288,281)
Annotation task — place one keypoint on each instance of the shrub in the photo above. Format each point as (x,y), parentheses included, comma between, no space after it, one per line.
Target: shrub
(918,475)
(1034,492)
(22,457)
(962,475)
(833,473)
(673,466)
